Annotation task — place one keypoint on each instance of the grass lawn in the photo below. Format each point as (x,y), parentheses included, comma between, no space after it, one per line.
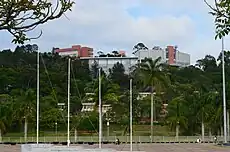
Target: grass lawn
(114,130)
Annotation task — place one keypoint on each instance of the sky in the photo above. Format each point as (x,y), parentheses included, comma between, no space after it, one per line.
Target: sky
(120,24)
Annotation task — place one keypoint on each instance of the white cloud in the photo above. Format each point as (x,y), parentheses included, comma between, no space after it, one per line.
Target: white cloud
(106,24)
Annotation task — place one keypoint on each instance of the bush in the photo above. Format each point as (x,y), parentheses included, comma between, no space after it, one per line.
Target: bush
(89,122)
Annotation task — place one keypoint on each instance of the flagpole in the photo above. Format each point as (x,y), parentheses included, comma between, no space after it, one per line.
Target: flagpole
(68,98)
(131,116)
(100,110)
(38,96)
(224,95)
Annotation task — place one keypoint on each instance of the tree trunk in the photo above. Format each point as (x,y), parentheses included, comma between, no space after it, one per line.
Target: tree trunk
(177,131)
(202,130)
(25,129)
(210,132)
(0,135)
(221,131)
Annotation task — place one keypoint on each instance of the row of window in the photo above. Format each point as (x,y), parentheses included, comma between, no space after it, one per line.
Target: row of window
(112,61)
(167,53)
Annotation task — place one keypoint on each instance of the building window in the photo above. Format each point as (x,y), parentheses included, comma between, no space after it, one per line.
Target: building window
(175,53)
(167,53)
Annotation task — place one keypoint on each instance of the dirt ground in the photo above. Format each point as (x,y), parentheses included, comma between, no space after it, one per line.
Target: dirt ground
(144,147)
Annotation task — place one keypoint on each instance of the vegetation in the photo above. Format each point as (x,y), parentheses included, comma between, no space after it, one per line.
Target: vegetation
(221,12)
(22,16)
(193,94)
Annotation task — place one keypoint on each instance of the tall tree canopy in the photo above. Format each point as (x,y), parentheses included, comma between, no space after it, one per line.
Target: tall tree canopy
(193,93)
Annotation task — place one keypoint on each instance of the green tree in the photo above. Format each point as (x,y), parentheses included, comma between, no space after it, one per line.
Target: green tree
(176,116)
(139,46)
(5,113)
(50,117)
(152,74)
(117,75)
(20,17)
(25,108)
(221,12)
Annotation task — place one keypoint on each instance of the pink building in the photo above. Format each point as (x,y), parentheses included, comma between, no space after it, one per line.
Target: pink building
(171,54)
(75,50)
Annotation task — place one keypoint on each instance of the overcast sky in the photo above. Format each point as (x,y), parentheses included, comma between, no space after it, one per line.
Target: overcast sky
(120,24)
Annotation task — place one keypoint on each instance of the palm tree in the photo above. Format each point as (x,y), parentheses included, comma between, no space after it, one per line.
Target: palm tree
(176,117)
(153,76)
(25,108)
(215,110)
(203,106)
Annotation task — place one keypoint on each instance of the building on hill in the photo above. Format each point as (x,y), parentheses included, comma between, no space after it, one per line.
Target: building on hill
(170,55)
(75,50)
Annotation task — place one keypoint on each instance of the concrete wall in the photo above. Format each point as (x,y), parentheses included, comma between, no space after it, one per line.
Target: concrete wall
(53,148)
(108,62)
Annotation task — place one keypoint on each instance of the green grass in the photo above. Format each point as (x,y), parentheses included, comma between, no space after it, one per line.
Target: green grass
(114,130)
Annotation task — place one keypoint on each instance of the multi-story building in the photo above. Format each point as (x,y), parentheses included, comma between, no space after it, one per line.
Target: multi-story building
(169,55)
(107,63)
(75,50)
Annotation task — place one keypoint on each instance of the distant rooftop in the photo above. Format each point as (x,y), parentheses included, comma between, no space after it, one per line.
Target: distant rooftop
(96,57)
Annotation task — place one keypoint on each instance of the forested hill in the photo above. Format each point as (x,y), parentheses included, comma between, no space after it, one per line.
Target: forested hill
(195,90)
(19,70)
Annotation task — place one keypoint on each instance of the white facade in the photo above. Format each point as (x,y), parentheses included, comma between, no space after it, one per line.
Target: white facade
(181,59)
(89,107)
(69,53)
(152,53)
(107,63)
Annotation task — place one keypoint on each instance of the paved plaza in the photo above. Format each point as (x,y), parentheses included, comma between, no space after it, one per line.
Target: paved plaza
(145,147)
